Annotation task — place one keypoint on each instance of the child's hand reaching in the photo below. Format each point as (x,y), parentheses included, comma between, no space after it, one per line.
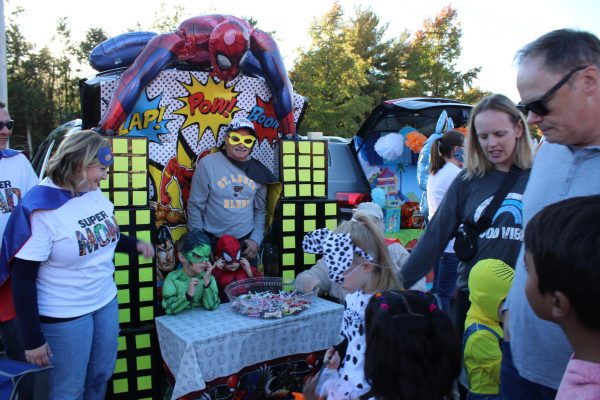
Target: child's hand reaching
(313,389)
(208,274)
(332,359)
(192,288)
(246,267)
(316,388)
(220,263)
(308,283)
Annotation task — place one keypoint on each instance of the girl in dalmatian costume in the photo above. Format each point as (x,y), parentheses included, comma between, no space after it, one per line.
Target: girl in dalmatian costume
(358,260)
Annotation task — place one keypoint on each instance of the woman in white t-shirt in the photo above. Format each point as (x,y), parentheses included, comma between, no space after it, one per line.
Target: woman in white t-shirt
(62,270)
(445,164)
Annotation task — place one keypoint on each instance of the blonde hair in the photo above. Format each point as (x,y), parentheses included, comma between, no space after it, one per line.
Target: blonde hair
(67,167)
(366,235)
(476,162)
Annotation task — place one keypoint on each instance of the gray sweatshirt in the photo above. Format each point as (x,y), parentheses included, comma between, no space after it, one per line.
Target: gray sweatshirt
(539,348)
(468,199)
(224,201)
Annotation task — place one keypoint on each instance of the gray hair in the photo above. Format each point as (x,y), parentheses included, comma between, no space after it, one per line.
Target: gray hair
(563,49)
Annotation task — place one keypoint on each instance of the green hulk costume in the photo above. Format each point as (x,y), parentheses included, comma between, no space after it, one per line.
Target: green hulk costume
(177,283)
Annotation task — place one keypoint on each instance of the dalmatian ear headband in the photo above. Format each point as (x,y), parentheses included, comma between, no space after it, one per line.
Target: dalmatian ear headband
(337,249)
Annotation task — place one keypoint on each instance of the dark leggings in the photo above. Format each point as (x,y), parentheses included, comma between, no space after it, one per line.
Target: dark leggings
(461,306)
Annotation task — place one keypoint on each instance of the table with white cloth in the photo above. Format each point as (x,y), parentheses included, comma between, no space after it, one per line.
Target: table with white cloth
(199,346)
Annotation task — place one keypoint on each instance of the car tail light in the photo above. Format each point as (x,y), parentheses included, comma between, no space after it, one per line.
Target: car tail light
(351,199)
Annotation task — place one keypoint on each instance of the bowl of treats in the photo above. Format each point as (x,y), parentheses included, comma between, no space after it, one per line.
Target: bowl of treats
(268,297)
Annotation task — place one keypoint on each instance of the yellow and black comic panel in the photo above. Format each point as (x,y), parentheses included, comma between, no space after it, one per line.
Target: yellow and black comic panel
(134,274)
(127,182)
(138,366)
(297,218)
(303,166)
(127,188)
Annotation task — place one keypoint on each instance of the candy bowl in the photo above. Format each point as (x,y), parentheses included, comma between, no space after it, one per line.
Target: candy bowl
(268,297)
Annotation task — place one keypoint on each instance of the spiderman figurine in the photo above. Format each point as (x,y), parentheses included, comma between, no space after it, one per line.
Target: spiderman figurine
(227,43)
(229,261)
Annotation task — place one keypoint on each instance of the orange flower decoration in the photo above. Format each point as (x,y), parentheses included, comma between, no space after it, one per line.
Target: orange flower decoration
(462,130)
(415,141)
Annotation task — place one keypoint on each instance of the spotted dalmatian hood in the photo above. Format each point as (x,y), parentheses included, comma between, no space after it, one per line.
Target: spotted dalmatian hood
(337,249)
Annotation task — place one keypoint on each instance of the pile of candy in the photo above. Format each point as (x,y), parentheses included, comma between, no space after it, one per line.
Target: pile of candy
(271,305)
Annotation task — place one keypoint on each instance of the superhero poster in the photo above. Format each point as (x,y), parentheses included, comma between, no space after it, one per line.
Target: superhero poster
(184,115)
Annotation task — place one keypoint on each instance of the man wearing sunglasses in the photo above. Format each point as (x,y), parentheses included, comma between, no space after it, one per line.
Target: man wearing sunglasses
(16,178)
(559,84)
(228,194)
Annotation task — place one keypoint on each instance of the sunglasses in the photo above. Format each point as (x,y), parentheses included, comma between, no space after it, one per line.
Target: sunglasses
(236,138)
(539,106)
(9,124)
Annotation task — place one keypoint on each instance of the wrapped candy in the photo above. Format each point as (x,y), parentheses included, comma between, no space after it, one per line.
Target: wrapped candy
(271,305)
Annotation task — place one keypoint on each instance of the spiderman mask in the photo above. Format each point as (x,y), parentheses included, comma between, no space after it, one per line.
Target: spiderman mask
(228,248)
(228,46)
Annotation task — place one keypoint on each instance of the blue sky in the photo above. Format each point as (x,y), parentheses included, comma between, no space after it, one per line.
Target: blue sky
(492,30)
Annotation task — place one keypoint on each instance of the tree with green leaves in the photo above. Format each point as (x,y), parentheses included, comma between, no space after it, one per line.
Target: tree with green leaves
(93,37)
(432,56)
(473,95)
(28,103)
(383,57)
(351,66)
(332,76)
(43,88)
(168,17)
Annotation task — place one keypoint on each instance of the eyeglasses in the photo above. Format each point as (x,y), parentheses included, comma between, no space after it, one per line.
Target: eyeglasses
(236,138)
(539,106)
(8,124)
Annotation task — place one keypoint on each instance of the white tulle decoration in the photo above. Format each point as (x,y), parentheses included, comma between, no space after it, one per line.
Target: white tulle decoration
(390,147)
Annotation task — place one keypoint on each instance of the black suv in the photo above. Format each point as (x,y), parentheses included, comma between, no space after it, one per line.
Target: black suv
(345,173)
(421,113)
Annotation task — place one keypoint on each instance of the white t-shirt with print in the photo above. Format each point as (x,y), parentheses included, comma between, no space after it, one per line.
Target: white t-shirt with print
(17,177)
(437,185)
(75,245)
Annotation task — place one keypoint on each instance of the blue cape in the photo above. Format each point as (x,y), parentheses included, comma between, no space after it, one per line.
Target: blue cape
(18,228)
(8,153)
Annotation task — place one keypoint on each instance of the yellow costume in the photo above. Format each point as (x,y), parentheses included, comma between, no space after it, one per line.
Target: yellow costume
(489,283)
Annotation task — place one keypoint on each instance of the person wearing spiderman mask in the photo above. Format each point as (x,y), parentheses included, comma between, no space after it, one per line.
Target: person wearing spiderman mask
(229,191)
(230,265)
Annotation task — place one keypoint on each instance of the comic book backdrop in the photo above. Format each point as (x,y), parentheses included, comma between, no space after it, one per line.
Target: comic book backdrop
(185,114)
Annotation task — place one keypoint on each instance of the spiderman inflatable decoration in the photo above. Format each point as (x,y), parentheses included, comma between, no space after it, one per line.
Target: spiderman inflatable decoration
(227,43)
